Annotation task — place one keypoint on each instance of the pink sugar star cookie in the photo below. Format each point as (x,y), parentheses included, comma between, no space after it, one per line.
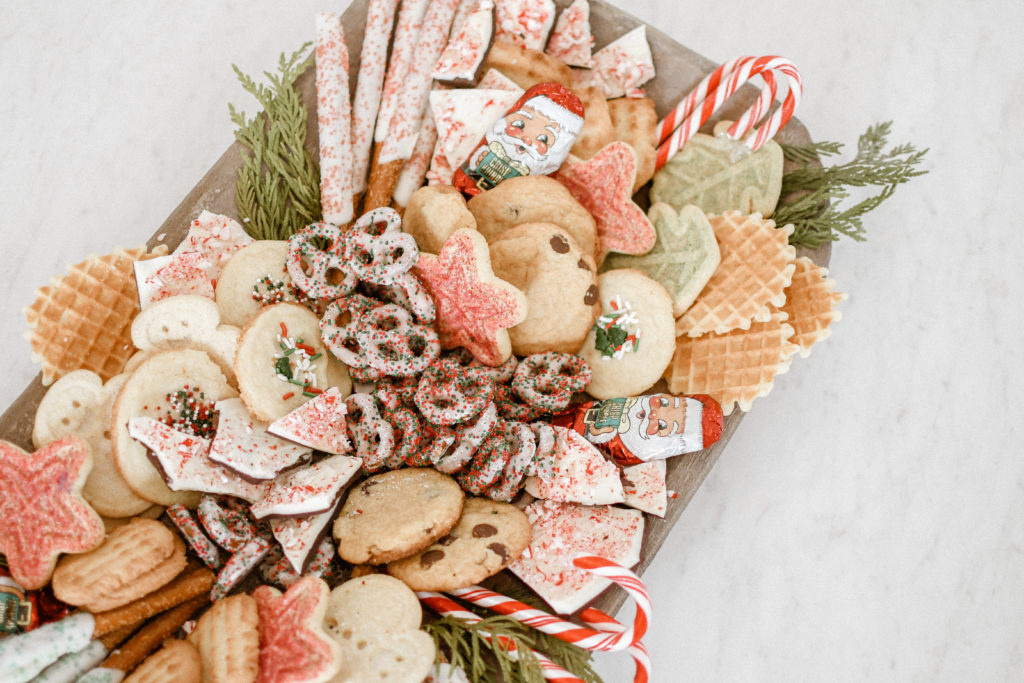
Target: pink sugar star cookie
(294,647)
(474,308)
(603,184)
(42,512)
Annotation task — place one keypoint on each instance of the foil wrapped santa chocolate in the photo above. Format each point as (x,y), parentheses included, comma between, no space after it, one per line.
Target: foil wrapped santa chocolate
(645,428)
(533,138)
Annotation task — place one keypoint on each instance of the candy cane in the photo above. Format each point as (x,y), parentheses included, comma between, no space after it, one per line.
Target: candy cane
(334,115)
(718,86)
(448,607)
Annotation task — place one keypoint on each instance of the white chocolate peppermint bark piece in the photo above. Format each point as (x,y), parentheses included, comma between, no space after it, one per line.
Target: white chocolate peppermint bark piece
(300,536)
(216,236)
(243,445)
(495,80)
(563,531)
(308,490)
(318,423)
(463,116)
(644,487)
(624,65)
(571,41)
(184,461)
(525,23)
(581,473)
(463,57)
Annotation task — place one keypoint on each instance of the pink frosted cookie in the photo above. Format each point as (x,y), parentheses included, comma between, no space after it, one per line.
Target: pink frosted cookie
(243,445)
(581,473)
(563,531)
(572,41)
(318,423)
(474,308)
(294,646)
(604,186)
(42,512)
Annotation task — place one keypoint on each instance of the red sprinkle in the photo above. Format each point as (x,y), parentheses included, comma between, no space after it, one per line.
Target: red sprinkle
(290,393)
(284,330)
(305,347)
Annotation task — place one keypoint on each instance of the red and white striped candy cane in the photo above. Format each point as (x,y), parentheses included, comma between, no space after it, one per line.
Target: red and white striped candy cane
(718,86)
(447,607)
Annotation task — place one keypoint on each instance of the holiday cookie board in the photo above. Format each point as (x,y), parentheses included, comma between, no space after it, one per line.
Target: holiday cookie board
(678,71)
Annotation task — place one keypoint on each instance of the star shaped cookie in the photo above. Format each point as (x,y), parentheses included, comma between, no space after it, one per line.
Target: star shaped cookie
(293,643)
(474,308)
(603,184)
(42,512)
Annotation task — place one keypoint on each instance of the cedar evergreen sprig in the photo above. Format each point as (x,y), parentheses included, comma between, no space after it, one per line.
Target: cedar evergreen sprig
(482,650)
(811,193)
(278,188)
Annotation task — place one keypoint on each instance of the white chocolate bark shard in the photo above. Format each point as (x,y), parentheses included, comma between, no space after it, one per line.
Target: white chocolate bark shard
(243,445)
(624,65)
(644,487)
(463,57)
(463,116)
(571,41)
(308,490)
(581,473)
(318,423)
(525,23)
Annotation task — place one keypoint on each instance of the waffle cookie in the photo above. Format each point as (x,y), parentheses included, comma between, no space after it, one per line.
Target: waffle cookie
(736,367)
(756,267)
(810,302)
(82,320)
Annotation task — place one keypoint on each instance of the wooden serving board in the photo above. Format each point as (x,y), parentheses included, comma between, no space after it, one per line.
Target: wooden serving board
(678,71)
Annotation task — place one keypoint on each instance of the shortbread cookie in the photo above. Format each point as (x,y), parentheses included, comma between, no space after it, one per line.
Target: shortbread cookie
(635,122)
(187,322)
(80,404)
(533,199)
(597,130)
(488,536)
(176,662)
(42,512)
(560,284)
(227,637)
(684,258)
(395,514)
(433,214)
(293,643)
(180,386)
(255,276)
(367,607)
(281,362)
(134,560)
(474,307)
(525,66)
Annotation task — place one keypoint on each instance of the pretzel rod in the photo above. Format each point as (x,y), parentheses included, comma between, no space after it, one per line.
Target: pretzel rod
(152,635)
(407,30)
(380,18)
(405,121)
(187,586)
(415,170)
(709,95)
(334,116)
(448,607)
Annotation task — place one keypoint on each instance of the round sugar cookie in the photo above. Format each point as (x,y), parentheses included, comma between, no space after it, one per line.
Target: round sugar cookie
(560,283)
(633,339)
(145,394)
(265,341)
(394,514)
(488,536)
(256,270)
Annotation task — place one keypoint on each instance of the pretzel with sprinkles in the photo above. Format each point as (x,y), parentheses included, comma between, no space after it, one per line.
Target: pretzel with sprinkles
(393,344)
(316,262)
(376,249)
(395,392)
(229,528)
(490,459)
(372,435)
(277,569)
(511,406)
(470,438)
(409,437)
(500,374)
(510,482)
(543,463)
(450,394)
(547,381)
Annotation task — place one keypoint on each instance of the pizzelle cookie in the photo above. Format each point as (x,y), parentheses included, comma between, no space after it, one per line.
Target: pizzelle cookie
(227,637)
(178,385)
(254,276)
(80,404)
(488,536)
(281,362)
(558,280)
(632,342)
(533,199)
(811,302)
(394,514)
(134,560)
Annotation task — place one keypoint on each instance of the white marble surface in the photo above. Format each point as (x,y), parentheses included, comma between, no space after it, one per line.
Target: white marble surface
(865,522)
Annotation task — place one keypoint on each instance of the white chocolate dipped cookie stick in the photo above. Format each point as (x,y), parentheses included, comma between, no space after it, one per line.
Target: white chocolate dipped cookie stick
(334,115)
(380,18)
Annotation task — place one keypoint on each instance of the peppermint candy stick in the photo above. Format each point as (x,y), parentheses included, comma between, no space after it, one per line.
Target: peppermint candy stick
(380,17)
(334,115)
(447,607)
(709,95)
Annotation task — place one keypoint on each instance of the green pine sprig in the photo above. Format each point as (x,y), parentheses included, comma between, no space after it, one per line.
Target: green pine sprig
(484,650)
(812,193)
(278,188)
